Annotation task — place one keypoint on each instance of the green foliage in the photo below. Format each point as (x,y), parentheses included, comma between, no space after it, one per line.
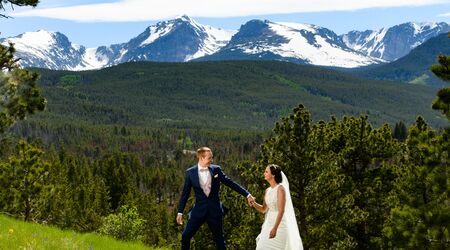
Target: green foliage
(19,94)
(7,61)
(117,141)
(159,229)
(234,95)
(442,70)
(336,176)
(419,201)
(125,225)
(442,102)
(352,184)
(23,177)
(67,82)
(400,131)
(18,89)
(291,147)
(414,67)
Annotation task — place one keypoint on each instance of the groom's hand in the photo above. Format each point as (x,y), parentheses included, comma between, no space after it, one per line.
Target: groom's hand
(250,200)
(179,219)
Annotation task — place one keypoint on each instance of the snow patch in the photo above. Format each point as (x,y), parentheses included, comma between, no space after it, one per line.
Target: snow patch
(321,53)
(155,32)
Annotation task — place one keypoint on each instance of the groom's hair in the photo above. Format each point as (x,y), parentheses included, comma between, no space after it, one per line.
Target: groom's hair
(202,150)
(276,171)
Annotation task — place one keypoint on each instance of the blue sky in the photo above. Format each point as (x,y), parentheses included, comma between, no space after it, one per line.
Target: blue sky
(103,22)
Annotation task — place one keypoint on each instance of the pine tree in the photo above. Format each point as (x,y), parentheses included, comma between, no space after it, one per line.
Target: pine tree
(293,148)
(400,131)
(442,70)
(336,177)
(419,201)
(20,93)
(23,177)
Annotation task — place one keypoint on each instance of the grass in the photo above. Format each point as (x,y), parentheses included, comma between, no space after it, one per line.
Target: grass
(17,234)
(421,80)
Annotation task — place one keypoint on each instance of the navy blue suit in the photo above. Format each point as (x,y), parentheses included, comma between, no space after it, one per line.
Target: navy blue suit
(207,208)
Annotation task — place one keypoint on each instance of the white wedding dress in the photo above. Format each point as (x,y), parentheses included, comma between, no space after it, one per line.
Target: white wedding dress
(287,236)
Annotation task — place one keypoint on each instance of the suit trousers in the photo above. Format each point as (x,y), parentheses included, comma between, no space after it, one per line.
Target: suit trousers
(215,224)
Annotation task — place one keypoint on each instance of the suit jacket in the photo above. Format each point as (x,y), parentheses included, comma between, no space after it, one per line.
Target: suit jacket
(203,203)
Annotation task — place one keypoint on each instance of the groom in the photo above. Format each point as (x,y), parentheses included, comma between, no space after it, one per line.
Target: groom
(205,179)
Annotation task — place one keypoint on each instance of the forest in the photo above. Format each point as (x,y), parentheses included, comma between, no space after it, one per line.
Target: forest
(354,185)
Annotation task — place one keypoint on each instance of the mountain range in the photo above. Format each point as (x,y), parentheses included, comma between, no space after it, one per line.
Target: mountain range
(183,39)
(413,68)
(395,42)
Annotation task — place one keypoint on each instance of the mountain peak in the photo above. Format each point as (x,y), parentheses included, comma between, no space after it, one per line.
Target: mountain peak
(184,17)
(47,49)
(395,42)
(175,22)
(423,23)
(40,38)
(40,33)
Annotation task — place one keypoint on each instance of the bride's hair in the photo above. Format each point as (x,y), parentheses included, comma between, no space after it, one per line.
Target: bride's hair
(276,171)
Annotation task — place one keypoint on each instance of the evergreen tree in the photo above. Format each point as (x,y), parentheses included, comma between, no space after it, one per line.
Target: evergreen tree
(21,95)
(23,177)
(419,201)
(400,131)
(336,176)
(442,70)
(18,88)
(293,148)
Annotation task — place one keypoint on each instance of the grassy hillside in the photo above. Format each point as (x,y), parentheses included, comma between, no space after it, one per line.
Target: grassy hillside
(415,67)
(246,94)
(16,234)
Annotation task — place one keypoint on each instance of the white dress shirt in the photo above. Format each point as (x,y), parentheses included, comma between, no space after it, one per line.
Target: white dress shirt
(204,177)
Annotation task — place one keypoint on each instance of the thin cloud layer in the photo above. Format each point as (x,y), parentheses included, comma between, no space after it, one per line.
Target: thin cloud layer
(148,10)
(445,14)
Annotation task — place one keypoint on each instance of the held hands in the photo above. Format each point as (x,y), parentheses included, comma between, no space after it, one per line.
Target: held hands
(251,200)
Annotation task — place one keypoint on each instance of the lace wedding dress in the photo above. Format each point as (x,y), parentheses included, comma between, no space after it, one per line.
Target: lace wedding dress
(287,237)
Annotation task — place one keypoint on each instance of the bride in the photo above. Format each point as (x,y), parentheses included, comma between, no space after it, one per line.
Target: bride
(279,230)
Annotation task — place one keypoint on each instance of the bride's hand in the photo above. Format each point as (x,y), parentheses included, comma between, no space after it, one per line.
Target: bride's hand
(273,233)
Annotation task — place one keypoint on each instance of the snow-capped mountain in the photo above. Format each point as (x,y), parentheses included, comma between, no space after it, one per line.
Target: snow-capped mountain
(392,43)
(178,40)
(295,42)
(183,39)
(51,50)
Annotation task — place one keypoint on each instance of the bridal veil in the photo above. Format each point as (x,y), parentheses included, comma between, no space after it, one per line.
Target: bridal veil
(294,240)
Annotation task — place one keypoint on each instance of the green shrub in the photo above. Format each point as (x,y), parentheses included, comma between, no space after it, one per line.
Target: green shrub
(126,225)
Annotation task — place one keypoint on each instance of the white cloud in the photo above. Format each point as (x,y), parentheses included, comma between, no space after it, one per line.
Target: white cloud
(144,10)
(445,14)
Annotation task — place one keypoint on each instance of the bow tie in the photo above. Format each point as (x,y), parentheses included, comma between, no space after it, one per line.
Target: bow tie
(203,169)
